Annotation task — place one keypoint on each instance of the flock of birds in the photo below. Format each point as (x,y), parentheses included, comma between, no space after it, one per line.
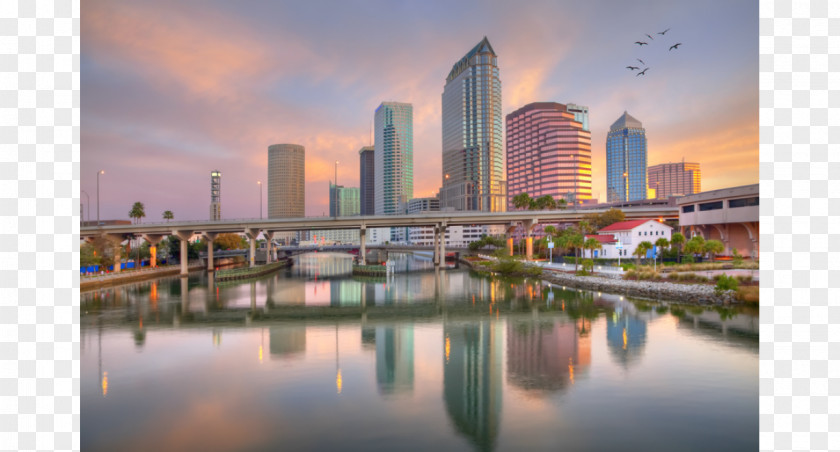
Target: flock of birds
(644,43)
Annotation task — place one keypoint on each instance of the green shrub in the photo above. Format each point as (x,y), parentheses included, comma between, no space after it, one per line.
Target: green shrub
(581,273)
(726,283)
(628,266)
(689,259)
(588,264)
(737,259)
(508,266)
(744,279)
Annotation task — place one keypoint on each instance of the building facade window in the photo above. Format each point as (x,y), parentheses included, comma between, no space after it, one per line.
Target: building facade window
(715,205)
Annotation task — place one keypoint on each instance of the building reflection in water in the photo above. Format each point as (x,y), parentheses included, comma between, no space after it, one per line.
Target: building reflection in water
(546,354)
(287,341)
(395,359)
(626,336)
(472,380)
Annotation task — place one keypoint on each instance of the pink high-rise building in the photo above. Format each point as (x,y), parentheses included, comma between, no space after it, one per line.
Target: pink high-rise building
(549,152)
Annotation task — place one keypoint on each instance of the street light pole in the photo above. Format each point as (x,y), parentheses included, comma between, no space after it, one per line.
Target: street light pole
(259,182)
(97,195)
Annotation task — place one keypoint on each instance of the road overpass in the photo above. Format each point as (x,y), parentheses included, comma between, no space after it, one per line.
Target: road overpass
(183,230)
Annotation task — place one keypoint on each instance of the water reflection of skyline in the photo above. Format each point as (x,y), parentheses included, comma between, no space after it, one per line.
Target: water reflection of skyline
(546,354)
(472,379)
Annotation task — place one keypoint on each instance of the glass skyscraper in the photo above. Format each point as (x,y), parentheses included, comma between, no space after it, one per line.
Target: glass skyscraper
(347,199)
(473,152)
(626,160)
(393,157)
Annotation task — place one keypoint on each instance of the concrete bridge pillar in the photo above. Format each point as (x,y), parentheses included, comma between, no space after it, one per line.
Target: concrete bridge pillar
(184,237)
(509,232)
(153,240)
(529,239)
(362,249)
(116,240)
(210,237)
(269,236)
(436,246)
(442,244)
(252,237)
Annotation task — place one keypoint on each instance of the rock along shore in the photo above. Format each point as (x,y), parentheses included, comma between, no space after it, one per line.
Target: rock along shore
(663,291)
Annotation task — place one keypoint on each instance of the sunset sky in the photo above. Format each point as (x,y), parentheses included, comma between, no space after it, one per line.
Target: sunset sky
(173,90)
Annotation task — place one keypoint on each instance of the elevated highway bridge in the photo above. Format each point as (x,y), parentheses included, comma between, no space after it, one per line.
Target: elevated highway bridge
(252,228)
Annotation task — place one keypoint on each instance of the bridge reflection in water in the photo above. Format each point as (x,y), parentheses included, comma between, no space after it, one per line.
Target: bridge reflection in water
(493,339)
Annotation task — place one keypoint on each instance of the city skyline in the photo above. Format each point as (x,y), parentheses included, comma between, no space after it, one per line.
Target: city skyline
(164,108)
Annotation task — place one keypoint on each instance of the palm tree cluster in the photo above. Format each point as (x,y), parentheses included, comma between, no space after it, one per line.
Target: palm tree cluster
(545,202)
(138,211)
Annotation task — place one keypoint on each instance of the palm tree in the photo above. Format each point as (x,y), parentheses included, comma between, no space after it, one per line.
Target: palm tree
(677,241)
(522,201)
(713,247)
(575,241)
(697,245)
(661,243)
(585,227)
(168,215)
(137,211)
(592,245)
(545,202)
(641,250)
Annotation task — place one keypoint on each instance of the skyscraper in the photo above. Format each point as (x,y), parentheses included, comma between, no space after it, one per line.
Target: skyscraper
(286,188)
(473,153)
(393,157)
(674,179)
(347,198)
(215,195)
(626,160)
(581,114)
(548,153)
(366,181)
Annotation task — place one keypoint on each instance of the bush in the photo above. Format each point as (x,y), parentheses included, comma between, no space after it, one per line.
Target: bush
(588,264)
(689,259)
(725,283)
(628,266)
(748,294)
(744,279)
(737,259)
(508,266)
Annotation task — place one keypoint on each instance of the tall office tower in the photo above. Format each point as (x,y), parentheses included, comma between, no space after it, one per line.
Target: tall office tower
(581,114)
(393,157)
(215,195)
(674,179)
(473,152)
(548,153)
(347,199)
(626,160)
(366,181)
(286,187)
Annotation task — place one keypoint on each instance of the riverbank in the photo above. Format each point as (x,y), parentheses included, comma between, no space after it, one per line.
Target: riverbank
(128,276)
(251,272)
(701,294)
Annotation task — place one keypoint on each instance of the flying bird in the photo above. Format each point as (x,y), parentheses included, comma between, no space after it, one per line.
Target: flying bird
(640,61)
(675,46)
(632,68)
(663,32)
(649,36)
(641,43)
(642,72)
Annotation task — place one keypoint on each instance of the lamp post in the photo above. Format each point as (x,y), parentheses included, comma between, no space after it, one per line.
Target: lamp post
(87,204)
(97,195)
(259,182)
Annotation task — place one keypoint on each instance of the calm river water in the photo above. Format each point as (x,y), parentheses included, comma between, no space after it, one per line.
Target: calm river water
(314,359)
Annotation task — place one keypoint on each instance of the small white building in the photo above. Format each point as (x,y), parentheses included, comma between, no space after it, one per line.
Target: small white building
(623,237)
